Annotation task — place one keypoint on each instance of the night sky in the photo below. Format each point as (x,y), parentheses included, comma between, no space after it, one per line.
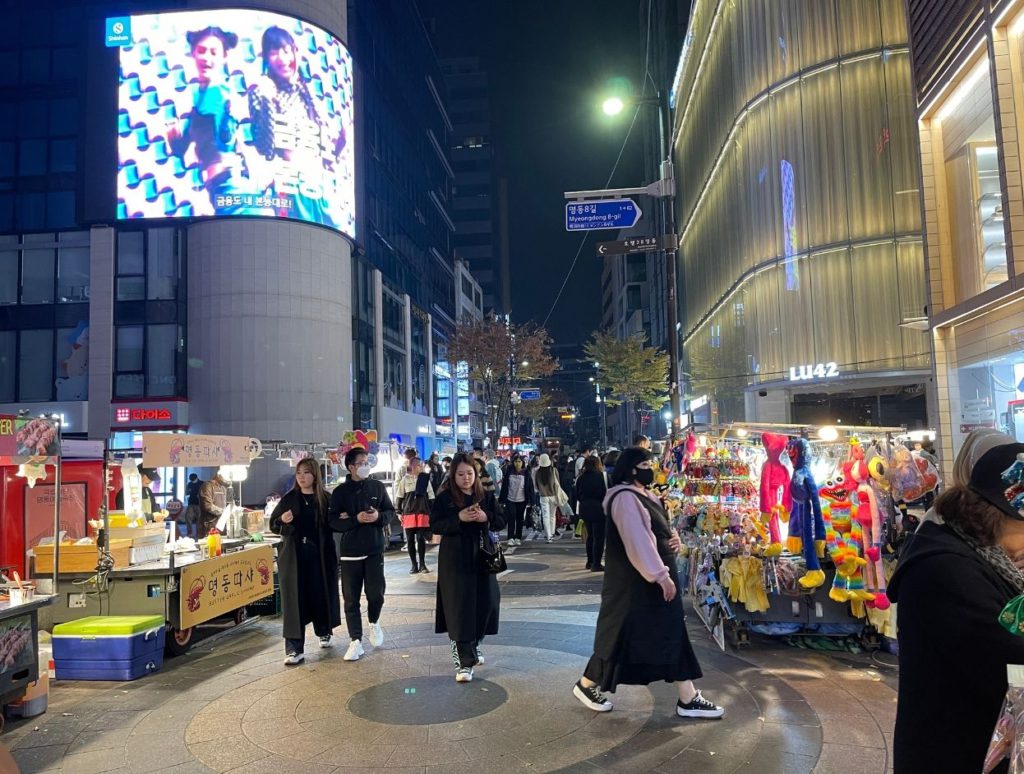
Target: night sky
(549,63)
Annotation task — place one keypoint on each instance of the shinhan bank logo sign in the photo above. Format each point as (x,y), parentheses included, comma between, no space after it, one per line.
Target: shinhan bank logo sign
(119,31)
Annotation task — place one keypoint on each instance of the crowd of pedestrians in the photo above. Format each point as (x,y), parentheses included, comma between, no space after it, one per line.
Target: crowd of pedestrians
(464,503)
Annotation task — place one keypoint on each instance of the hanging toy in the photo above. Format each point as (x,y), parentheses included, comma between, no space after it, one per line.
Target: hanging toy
(776,499)
(1014,478)
(807,508)
(844,537)
(905,476)
(870,518)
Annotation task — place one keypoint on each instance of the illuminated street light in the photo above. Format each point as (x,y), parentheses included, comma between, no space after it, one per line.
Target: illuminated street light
(612,106)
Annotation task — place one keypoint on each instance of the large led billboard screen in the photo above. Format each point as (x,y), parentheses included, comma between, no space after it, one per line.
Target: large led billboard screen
(233,112)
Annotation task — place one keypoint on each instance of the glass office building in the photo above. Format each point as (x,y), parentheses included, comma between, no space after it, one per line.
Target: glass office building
(801,258)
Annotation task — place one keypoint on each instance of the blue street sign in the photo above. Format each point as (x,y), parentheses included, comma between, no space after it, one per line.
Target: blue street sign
(529,394)
(601,213)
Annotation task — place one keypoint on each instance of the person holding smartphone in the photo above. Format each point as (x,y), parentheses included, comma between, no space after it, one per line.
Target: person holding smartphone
(361,510)
(468,598)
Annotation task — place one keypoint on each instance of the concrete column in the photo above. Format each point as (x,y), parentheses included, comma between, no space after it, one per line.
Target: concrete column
(430,367)
(102,255)
(407,315)
(269,334)
(378,339)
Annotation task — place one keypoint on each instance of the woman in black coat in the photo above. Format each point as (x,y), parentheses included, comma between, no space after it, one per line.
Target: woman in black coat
(591,487)
(952,582)
(467,596)
(307,563)
(641,633)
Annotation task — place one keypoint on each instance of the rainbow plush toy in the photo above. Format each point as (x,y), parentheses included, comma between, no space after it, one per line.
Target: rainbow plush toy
(776,500)
(843,537)
(870,519)
(807,512)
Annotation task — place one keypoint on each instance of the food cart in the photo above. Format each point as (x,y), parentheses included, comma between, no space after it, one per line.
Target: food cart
(183,583)
(33,445)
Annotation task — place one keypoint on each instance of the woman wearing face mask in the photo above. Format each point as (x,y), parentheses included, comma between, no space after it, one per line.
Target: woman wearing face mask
(641,636)
(467,596)
(516,494)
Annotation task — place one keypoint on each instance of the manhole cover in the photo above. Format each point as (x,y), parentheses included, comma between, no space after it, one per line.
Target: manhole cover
(420,701)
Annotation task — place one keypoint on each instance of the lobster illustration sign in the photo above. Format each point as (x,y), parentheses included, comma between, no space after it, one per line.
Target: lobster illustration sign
(225,583)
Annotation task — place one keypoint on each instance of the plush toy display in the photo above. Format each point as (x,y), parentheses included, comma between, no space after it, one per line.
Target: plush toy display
(807,511)
(870,518)
(776,499)
(843,537)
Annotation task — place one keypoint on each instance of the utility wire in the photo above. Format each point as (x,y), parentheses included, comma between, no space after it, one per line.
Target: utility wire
(615,166)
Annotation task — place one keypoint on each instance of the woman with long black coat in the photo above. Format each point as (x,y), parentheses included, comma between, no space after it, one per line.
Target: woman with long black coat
(468,598)
(307,563)
(591,488)
(641,634)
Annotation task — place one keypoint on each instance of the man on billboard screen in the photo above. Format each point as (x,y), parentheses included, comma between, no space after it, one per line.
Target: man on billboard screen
(235,112)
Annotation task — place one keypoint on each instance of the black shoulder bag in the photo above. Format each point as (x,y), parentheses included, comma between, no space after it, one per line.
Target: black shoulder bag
(492,560)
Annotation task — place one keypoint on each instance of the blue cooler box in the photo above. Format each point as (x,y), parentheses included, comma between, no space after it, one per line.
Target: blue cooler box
(123,647)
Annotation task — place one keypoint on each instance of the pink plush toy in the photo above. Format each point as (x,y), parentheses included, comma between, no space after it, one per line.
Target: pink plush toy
(774,490)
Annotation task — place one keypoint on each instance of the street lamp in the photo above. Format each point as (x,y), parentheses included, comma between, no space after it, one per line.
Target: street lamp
(665,190)
(612,106)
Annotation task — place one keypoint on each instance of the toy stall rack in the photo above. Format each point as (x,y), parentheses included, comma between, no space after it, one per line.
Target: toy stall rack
(742,576)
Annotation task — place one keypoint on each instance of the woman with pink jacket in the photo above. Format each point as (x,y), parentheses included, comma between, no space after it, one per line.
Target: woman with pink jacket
(641,634)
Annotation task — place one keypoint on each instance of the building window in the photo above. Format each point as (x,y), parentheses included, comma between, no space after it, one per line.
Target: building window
(37,276)
(73,274)
(633,298)
(974,196)
(35,365)
(8,349)
(131,266)
(8,276)
(130,379)
(636,268)
(394,379)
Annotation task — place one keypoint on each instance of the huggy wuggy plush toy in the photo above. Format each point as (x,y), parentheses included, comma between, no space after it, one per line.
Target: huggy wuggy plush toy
(807,511)
(776,500)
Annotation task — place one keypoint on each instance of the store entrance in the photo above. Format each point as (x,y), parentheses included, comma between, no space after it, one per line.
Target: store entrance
(883,406)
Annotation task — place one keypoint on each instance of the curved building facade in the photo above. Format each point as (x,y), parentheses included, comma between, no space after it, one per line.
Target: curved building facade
(800,225)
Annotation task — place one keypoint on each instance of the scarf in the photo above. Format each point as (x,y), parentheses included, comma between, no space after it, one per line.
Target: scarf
(997,559)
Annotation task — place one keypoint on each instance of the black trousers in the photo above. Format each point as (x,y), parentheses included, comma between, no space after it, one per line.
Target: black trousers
(466,653)
(595,541)
(515,513)
(355,575)
(416,540)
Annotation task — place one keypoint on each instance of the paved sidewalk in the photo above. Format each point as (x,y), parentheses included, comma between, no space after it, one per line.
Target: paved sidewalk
(232,706)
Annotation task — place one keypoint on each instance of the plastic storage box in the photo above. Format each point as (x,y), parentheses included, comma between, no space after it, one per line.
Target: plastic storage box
(108,647)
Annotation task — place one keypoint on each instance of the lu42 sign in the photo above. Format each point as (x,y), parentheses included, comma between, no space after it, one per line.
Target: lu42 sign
(818,371)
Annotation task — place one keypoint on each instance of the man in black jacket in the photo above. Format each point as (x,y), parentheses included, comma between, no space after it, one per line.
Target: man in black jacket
(361,511)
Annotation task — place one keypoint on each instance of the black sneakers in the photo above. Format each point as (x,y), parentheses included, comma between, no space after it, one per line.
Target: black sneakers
(699,707)
(591,698)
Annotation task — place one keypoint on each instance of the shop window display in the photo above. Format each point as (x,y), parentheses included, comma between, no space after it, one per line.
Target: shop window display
(973,192)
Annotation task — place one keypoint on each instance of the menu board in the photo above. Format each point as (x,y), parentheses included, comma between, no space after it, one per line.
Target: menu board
(28,439)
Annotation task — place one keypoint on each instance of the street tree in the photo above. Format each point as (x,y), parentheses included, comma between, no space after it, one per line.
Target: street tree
(499,358)
(629,371)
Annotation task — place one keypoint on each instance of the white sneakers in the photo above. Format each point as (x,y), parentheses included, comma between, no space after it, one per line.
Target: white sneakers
(294,658)
(376,635)
(464,675)
(325,642)
(355,650)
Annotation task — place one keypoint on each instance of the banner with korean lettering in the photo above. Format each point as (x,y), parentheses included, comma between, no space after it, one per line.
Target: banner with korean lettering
(28,439)
(218,586)
(163,450)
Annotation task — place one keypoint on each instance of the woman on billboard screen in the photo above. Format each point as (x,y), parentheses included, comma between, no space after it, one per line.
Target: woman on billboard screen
(289,132)
(212,130)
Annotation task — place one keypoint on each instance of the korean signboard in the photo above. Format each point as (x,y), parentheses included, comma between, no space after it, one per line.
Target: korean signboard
(223,584)
(163,450)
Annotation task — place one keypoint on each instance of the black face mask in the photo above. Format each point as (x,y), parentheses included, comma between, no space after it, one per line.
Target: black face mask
(644,476)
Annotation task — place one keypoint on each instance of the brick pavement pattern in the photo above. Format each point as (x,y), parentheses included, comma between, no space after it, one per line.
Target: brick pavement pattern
(230,705)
